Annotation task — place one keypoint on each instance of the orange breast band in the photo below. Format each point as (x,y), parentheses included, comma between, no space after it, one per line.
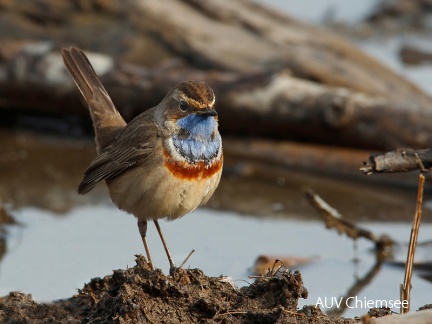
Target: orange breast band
(196,171)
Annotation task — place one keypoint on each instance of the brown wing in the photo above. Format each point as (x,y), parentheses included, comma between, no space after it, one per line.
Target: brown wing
(107,121)
(132,146)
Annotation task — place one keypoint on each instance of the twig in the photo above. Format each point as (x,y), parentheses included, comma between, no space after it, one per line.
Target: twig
(271,272)
(231,313)
(405,288)
(333,219)
(187,258)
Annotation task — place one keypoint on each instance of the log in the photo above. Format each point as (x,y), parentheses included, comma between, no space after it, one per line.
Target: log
(244,36)
(265,104)
(311,112)
(274,76)
(226,35)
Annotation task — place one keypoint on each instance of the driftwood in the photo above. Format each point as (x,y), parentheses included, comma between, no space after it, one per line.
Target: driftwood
(333,219)
(272,104)
(245,36)
(226,35)
(273,76)
(398,161)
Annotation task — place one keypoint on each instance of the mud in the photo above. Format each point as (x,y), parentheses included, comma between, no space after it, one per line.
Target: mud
(140,295)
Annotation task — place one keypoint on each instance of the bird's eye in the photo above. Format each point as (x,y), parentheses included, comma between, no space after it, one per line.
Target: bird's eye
(183,105)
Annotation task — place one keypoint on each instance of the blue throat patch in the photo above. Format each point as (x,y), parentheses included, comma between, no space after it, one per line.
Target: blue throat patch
(197,142)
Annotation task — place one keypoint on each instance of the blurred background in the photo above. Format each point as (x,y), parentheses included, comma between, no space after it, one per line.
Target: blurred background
(305,91)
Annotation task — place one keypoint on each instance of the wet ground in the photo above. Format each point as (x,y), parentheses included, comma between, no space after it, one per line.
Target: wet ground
(140,295)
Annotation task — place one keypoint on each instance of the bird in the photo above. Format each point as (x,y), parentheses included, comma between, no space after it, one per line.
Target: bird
(164,163)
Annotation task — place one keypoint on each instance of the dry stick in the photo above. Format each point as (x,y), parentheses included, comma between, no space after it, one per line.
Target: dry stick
(401,160)
(187,258)
(333,219)
(406,287)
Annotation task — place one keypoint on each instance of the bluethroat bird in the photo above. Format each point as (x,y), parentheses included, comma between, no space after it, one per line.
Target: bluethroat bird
(165,162)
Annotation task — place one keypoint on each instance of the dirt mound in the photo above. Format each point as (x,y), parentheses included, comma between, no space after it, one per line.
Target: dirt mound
(139,295)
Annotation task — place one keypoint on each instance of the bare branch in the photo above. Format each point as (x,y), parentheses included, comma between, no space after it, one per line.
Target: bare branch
(398,161)
(333,219)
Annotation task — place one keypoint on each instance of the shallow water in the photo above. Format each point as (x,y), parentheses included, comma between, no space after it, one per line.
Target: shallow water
(92,241)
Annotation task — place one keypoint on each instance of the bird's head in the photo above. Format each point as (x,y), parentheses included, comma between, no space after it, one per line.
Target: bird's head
(189,109)
(191,121)
(189,97)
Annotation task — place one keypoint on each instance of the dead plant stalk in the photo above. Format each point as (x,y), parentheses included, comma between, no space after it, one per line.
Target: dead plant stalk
(405,288)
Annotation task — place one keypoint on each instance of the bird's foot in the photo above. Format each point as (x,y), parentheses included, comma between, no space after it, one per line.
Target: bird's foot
(174,269)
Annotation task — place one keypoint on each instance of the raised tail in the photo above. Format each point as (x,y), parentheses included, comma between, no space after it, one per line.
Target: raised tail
(107,121)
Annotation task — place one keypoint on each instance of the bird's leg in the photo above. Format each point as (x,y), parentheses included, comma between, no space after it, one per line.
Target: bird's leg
(172,265)
(142,227)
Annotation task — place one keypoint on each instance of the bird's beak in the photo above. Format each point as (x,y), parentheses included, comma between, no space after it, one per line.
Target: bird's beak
(207,112)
